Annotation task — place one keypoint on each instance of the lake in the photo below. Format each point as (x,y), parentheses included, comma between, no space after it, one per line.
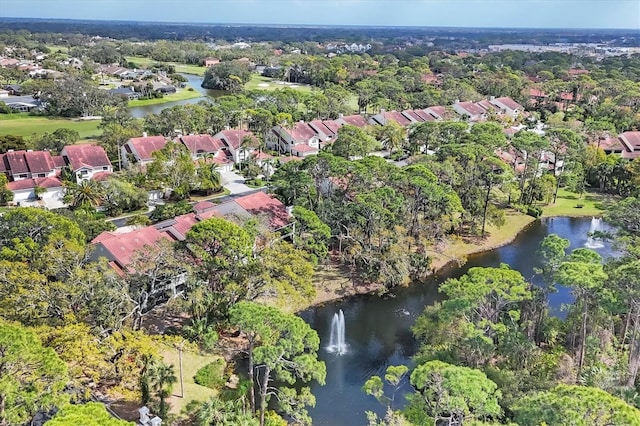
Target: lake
(377,330)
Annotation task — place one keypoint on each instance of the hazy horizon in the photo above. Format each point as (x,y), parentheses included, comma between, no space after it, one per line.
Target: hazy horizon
(498,14)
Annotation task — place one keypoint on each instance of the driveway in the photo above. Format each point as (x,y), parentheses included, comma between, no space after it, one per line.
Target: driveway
(234,183)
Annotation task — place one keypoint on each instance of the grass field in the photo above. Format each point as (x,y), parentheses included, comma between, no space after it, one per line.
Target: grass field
(593,204)
(178,96)
(27,125)
(191,363)
(184,68)
(259,82)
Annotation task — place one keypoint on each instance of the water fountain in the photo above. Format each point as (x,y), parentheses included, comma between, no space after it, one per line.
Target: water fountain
(596,225)
(336,339)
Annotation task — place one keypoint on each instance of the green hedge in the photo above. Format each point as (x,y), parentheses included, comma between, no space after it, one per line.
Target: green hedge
(212,374)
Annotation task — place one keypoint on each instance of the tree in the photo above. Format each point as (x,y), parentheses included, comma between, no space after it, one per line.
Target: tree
(313,234)
(394,376)
(173,166)
(391,135)
(222,250)
(449,394)
(121,196)
(208,177)
(24,231)
(32,378)
(57,140)
(481,309)
(565,146)
(215,411)
(229,76)
(87,193)
(353,141)
(157,379)
(575,405)
(154,276)
(584,273)
(5,194)
(283,273)
(89,414)
(281,348)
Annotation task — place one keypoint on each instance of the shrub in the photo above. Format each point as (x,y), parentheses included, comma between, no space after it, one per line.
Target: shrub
(579,206)
(211,375)
(534,211)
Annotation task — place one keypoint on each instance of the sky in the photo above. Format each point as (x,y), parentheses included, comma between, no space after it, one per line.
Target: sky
(624,14)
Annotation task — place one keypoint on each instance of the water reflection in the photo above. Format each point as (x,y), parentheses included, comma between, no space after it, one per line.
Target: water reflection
(378,329)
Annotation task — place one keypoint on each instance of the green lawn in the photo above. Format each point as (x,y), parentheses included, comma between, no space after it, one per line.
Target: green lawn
(183,68)
(178,96)
(191,363)
(26,125)
(593,204)
(259,82)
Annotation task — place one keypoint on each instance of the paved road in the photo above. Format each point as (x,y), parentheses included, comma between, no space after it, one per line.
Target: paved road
(233,184)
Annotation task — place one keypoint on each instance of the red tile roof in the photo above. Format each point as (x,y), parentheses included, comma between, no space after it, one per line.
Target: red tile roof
(424,115)
(47,182)
(234,137)
(537,93)
(301,132)
(58,161)
(303,147)
(260,203)
(101,176)
(147,145)
(355,120)
(123,246)
(438,111)
(631,139)
(413,115)
(396,116)
(321,127)
(201,143)
(332,125)
(39,161)
(488,106)
(203,206)
(16,162)
(509,103)
(85,155)
(471,108)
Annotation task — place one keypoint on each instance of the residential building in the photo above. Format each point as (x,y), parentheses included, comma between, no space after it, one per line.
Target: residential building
(384,117)
(18,165)
(86,161)
(626,144)
(508,105)
(470,111)
(234,141)
(140,150)
(207,148)
(352,120)
(38,192)
(299,140)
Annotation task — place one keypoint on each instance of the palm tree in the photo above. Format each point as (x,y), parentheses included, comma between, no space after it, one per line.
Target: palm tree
(86,193)
(209,177)
(157,379)
(215,411)
(165,378)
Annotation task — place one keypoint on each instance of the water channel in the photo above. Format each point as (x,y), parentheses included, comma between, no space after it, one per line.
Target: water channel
(377,330)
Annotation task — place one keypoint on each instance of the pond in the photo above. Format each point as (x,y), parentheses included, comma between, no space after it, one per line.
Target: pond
(194,81)
(377,330)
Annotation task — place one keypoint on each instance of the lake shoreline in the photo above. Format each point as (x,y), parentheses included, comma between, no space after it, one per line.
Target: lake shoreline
(344,286)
